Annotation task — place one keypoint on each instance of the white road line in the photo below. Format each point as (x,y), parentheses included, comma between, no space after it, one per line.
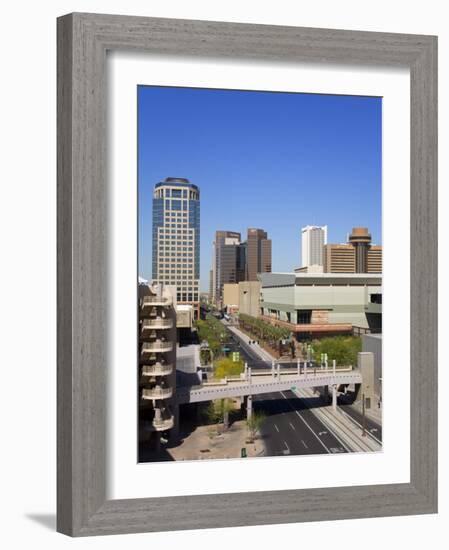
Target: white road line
(369,432)
(288,448)
(276,428)
(304,443)
(293,428)
(305,422)
(326,423)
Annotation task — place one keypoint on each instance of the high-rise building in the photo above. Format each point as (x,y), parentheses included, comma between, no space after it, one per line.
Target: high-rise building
(357,256)
(374,259)
(210,295)
(176,238)
(227,261)
(339,258)
(361,240)
(258,254)
(313,238)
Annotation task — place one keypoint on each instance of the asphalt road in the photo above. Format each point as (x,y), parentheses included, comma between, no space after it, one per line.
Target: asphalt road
(290,427)
(374,429)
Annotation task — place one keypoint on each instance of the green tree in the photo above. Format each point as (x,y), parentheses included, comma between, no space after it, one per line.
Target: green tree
(254,423)
(343,349)
(226,367)
(218,411)
(264,331)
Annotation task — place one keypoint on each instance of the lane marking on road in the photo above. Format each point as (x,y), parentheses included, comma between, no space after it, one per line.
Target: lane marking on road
(369,432)
(325,424)
(292,427)
(275,425)
(305,422)
(287,447)
(304,443)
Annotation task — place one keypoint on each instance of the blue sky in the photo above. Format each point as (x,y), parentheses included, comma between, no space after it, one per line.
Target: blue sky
(278,161)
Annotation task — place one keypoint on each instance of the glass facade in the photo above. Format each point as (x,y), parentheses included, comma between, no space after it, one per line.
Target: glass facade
(176,237)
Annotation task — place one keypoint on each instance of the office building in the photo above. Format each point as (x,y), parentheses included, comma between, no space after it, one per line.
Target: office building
(313,238)
(228,262)
(176,238)
(358,255)
(360,239)
(339,258)
(315,305)
(258,254)
(374,259)
(210,294)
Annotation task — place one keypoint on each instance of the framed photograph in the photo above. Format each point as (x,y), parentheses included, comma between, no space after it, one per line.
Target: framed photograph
(247,274)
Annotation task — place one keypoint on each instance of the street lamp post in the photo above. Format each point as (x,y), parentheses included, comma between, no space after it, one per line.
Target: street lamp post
(363,416)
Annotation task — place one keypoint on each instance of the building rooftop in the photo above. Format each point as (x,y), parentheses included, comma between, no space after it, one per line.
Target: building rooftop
(184,307)
(289,278)
(182,182)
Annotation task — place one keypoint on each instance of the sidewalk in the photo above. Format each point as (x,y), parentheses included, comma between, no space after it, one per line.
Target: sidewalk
(342,427)
(374,414)
(263,354)
(205,443)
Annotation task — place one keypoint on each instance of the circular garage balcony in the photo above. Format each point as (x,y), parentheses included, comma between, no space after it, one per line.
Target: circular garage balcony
(157,393)
(158,369)
(158,346)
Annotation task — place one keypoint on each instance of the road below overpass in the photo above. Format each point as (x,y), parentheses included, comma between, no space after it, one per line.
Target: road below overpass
(373,428)
(250,353)
(290,426)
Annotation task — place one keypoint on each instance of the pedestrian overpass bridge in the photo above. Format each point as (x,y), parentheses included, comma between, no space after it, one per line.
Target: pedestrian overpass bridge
(276,379)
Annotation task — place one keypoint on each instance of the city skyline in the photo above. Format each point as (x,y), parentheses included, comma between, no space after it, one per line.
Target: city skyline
(255,169)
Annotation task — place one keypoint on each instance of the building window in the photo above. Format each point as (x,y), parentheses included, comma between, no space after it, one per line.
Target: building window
(304,316)
(376,298)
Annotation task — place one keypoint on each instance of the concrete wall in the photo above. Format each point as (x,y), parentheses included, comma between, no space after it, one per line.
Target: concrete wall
(344,304)
(282,295)
(230,294)
(249,298)
(373,343)
(184,316)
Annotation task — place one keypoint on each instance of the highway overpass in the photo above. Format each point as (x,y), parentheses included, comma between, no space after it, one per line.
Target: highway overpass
(275,379)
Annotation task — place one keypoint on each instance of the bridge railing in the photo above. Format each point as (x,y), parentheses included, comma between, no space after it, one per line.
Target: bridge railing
(278,375)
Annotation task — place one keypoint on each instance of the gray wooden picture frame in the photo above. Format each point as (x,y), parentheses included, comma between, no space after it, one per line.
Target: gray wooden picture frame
(83,40)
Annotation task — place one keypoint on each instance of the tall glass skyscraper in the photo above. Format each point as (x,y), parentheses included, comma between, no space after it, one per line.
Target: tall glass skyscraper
(176,238)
